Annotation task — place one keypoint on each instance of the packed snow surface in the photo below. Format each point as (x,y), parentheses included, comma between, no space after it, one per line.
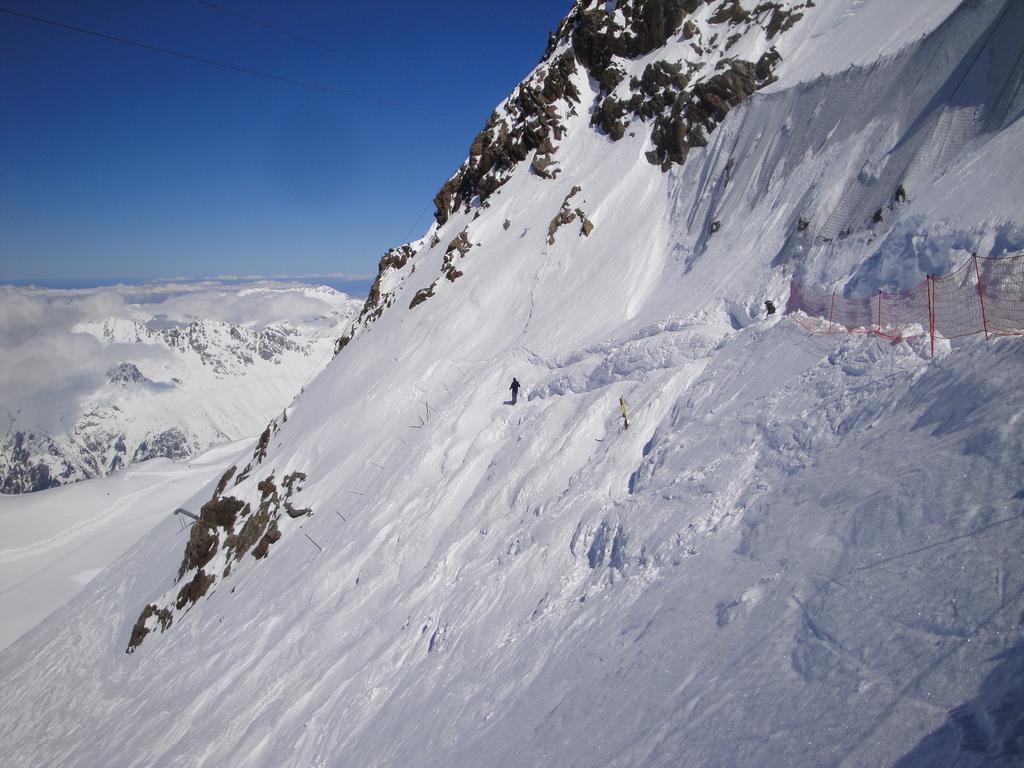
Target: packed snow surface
(804,550)
(54,542)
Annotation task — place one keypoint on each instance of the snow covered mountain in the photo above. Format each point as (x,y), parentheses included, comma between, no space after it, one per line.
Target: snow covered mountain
(803,551)
(173,384)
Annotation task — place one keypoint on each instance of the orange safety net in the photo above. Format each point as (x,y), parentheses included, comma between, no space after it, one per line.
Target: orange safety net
(984,295)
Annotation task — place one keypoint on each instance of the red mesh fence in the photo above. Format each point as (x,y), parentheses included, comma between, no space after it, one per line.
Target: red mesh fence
(1002,282)
(985,295)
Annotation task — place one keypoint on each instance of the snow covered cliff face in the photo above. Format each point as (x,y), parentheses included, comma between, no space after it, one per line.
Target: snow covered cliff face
(804,551)
(174,385)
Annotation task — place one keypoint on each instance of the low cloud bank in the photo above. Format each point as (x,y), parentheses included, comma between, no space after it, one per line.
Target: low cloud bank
(48,369)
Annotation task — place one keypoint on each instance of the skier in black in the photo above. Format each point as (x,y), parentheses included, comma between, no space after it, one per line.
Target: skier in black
(515,389)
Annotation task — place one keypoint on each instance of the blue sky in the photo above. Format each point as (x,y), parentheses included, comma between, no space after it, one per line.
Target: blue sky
(119,163)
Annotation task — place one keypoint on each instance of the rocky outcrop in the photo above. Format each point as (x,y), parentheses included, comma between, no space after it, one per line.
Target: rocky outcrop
(127,374)
(259,453)
(33,462)
(422,295)
(529,120)
(379,300)
(566,215)
(171,443)
(150,615)
(679,101)
(676,103)
(456,250)
(227,530)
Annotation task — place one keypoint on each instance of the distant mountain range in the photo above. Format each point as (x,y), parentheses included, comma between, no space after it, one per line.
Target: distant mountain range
(181,386)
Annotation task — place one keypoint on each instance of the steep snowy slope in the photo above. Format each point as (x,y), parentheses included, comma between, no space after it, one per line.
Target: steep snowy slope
(179,375)
(804,551)
(55,541)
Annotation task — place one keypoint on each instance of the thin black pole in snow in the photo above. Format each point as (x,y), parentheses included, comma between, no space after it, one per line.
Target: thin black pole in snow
(341,515)
(313,542)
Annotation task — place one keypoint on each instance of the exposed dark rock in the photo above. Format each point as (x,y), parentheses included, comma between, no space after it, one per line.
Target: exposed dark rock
(295,512)
(461,245)
(393,259)
(260,452)
(126,374)
(272,536)
(729,12)
(422,295)
(293,483)
(23,473)
(236,545)
(564,216)
(698,111)
(267,488)
(140,630)
(506,225)
(195,589)
(542,166)
(781,20)
(608,116)
(531,122)
(224,480)
(222,513)
(568,214)
(200,548)
(343,341)
(172,443)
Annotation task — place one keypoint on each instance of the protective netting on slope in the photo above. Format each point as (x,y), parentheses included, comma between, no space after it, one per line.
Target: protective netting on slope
(984,295)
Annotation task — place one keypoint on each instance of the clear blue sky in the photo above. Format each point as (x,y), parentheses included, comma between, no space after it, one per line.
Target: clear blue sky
(120,163)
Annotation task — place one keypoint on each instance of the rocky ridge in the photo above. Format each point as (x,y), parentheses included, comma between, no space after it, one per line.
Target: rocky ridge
(727,53)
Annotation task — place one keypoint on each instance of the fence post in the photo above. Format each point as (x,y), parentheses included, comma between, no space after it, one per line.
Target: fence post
(981,295)
(831,309)
(931,310)
(878,324)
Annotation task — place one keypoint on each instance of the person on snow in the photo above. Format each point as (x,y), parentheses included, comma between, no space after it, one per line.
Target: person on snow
(515,389)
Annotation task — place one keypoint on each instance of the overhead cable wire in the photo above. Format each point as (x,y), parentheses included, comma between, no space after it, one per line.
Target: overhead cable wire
(272,28)
(221,64)
(404,73)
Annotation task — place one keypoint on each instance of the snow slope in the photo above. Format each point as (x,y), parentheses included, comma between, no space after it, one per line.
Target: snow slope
(58,540)
(804,551)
